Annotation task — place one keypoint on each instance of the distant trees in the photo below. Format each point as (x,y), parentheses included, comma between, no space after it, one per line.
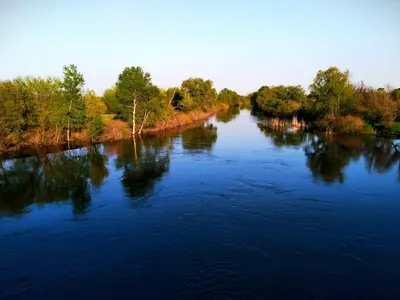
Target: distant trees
(197,93)
(229,97)
(280,100)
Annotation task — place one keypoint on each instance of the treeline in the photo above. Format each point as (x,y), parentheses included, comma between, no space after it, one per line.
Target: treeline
(334,104)
(45,111)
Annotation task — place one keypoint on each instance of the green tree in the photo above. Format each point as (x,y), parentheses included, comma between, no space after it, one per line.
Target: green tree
(94,105)
(72,89)
(134,91)
(229,97)
(280,101)
(198,93)
(110,100)
(45,94)
(332,93)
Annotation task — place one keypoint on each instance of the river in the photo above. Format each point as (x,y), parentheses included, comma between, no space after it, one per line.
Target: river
(228,209)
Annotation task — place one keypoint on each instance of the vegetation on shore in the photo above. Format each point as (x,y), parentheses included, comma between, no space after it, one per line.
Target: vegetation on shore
(334,104)
(49,111)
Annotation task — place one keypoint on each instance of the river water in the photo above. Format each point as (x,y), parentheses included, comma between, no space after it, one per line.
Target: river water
(228,209)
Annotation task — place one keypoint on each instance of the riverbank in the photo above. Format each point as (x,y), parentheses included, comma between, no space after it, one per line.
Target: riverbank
(183,119)
(113,130)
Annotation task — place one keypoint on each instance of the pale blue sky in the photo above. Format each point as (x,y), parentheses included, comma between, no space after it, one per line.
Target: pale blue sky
(241,45)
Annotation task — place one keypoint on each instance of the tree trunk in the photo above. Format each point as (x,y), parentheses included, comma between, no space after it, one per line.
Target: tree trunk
(146,114)
(134,115)
(172,98)
(69,122)
(135,149)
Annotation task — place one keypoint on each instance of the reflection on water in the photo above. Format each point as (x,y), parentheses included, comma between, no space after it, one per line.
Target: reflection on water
(227,209)
(226,116)
(72,175)
(143,162)
(199,138)
(329,155)
(51,178)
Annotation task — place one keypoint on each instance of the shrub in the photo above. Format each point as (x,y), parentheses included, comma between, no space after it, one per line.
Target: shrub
(344,124)
(115,130)
(396,129)
(349,124)
(95,127)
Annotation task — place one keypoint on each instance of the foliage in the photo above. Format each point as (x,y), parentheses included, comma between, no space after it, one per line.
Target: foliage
(280,100)
(95,107)
(377,106)
(72,91)
(332,93)
(110,100)
(197,94)
(134,83)
(95,127)
(229,97)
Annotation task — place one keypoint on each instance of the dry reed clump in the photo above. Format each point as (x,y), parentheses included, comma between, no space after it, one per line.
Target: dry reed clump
(349,124)
(80,136)
(115,130)
(343,124)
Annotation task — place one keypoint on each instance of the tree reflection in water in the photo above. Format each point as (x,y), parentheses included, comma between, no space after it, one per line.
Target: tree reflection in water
(199,138)
(73,175)
(328,156)
(226,116)
(48,178)
(143,163)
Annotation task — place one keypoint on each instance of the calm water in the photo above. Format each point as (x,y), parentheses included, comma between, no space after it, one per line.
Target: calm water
(226,210)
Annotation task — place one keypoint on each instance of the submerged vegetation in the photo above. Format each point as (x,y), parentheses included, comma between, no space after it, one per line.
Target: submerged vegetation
(49,111)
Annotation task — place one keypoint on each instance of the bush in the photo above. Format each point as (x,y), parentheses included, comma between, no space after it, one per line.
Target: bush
(344,124)
(349,124)
(115,130)
(396,128)
(95,127)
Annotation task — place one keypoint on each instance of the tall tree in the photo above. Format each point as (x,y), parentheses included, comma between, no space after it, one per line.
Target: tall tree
(72,88)
(332,92)
(134,91)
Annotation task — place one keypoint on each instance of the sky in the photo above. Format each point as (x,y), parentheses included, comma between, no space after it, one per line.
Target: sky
(240,45)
